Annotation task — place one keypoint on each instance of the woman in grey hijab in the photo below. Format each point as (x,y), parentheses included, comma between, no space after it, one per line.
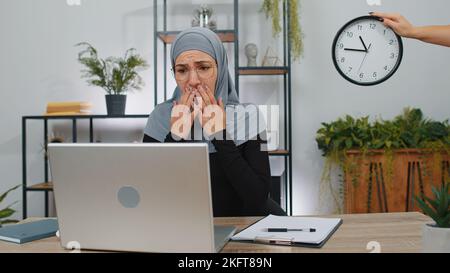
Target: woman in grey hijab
(239,162)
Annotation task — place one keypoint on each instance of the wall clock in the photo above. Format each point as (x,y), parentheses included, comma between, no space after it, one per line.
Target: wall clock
(365,52)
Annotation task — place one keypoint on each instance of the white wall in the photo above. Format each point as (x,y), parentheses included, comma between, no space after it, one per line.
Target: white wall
(38,64)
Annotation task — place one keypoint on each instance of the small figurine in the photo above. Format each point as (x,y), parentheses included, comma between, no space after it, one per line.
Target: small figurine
(251,51)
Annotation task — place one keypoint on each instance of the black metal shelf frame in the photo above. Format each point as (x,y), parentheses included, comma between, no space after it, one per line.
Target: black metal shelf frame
(45,119)
(284,71)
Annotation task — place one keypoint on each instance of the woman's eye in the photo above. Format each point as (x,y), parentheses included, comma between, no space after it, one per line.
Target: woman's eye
(205,68)
(180,71)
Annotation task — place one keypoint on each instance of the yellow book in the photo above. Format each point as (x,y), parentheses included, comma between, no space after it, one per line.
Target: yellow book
(76,106)
(68,113)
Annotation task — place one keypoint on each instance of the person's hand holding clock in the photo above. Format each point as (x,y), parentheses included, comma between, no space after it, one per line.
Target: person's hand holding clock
(365,52)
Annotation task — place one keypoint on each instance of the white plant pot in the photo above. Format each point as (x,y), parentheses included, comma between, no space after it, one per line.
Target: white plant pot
(435,239)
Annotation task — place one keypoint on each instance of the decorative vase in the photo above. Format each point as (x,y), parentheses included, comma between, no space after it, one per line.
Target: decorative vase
(115,104)
(435,239)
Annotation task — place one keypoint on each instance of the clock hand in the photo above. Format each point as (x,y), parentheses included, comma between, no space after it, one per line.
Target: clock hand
(365,55)
(354,49)
(362,41)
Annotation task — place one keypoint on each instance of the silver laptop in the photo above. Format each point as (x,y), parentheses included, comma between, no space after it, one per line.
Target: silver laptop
(135,197)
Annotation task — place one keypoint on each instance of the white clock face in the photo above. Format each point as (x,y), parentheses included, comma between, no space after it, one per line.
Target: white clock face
(365,52)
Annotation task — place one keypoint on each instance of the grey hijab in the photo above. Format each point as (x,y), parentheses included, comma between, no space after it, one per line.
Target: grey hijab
(241,118)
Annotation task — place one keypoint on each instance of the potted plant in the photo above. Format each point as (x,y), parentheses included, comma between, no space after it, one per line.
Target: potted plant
(436,236)
(8,211)
(384,163)
(116,75)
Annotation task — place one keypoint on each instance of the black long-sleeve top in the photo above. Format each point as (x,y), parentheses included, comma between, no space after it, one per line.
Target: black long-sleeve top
(240,176)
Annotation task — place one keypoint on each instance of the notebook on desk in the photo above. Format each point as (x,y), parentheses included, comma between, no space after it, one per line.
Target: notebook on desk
(300,231)
(27,232)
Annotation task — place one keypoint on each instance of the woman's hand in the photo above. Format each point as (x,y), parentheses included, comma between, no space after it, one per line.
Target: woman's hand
(212,112)
(183,115)
(398,23)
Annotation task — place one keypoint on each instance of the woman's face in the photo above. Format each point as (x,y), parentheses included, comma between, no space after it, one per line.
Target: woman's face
(194,68)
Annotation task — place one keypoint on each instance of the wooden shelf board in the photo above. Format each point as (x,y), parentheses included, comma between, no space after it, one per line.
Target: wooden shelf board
(279,152)
(46,186)
(263,70)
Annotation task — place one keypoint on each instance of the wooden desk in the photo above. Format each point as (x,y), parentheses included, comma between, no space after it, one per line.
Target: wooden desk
(395,232)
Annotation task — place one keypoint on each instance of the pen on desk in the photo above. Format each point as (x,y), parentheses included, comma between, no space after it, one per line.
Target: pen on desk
(290,229)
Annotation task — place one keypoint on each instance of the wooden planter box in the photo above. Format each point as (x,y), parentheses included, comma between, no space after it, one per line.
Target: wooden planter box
(380,183)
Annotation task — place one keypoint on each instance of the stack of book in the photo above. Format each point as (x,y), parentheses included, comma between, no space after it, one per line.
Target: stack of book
(68,108)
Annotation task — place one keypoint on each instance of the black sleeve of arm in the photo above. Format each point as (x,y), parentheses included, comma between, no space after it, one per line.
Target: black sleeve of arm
(168,139)
(148,139)
(248,169)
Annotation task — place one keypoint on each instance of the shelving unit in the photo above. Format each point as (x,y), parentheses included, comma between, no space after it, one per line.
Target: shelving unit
(45,185)
(166,37)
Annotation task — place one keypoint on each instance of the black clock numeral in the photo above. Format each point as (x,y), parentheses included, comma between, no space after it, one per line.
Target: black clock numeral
(373,26)
(391,42)
(350,69)
(385,68)
(341,46)
(392,55)
(360,27)
(349,34)
(361,75)
(342,59)
(374,74)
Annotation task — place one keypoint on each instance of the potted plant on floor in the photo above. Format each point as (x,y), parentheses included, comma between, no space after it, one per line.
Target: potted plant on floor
(116,75)
(436,236)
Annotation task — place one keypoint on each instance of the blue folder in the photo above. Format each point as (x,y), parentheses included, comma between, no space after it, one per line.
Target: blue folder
(27,232)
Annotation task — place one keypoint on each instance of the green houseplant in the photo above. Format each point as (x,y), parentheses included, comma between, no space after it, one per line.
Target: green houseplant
(410,130)
(436,237)
(8,211)
(116,75)
(271,8)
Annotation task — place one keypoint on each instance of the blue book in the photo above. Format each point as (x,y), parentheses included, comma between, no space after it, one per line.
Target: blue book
(27,232)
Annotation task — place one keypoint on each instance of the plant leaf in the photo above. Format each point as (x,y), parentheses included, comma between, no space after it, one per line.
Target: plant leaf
(3,196)
(6,212)
(9,221)
(444,222)
(432,202)
(426,209)
(437,194)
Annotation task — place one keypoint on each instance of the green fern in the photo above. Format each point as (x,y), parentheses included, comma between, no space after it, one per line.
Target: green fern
(410,129)
(115,75)
(439,207)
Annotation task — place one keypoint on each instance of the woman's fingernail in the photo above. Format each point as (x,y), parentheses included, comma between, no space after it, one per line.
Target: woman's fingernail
(371,12)
(381,19)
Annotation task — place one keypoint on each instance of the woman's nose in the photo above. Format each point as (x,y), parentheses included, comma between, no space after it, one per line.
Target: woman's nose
(194,81)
